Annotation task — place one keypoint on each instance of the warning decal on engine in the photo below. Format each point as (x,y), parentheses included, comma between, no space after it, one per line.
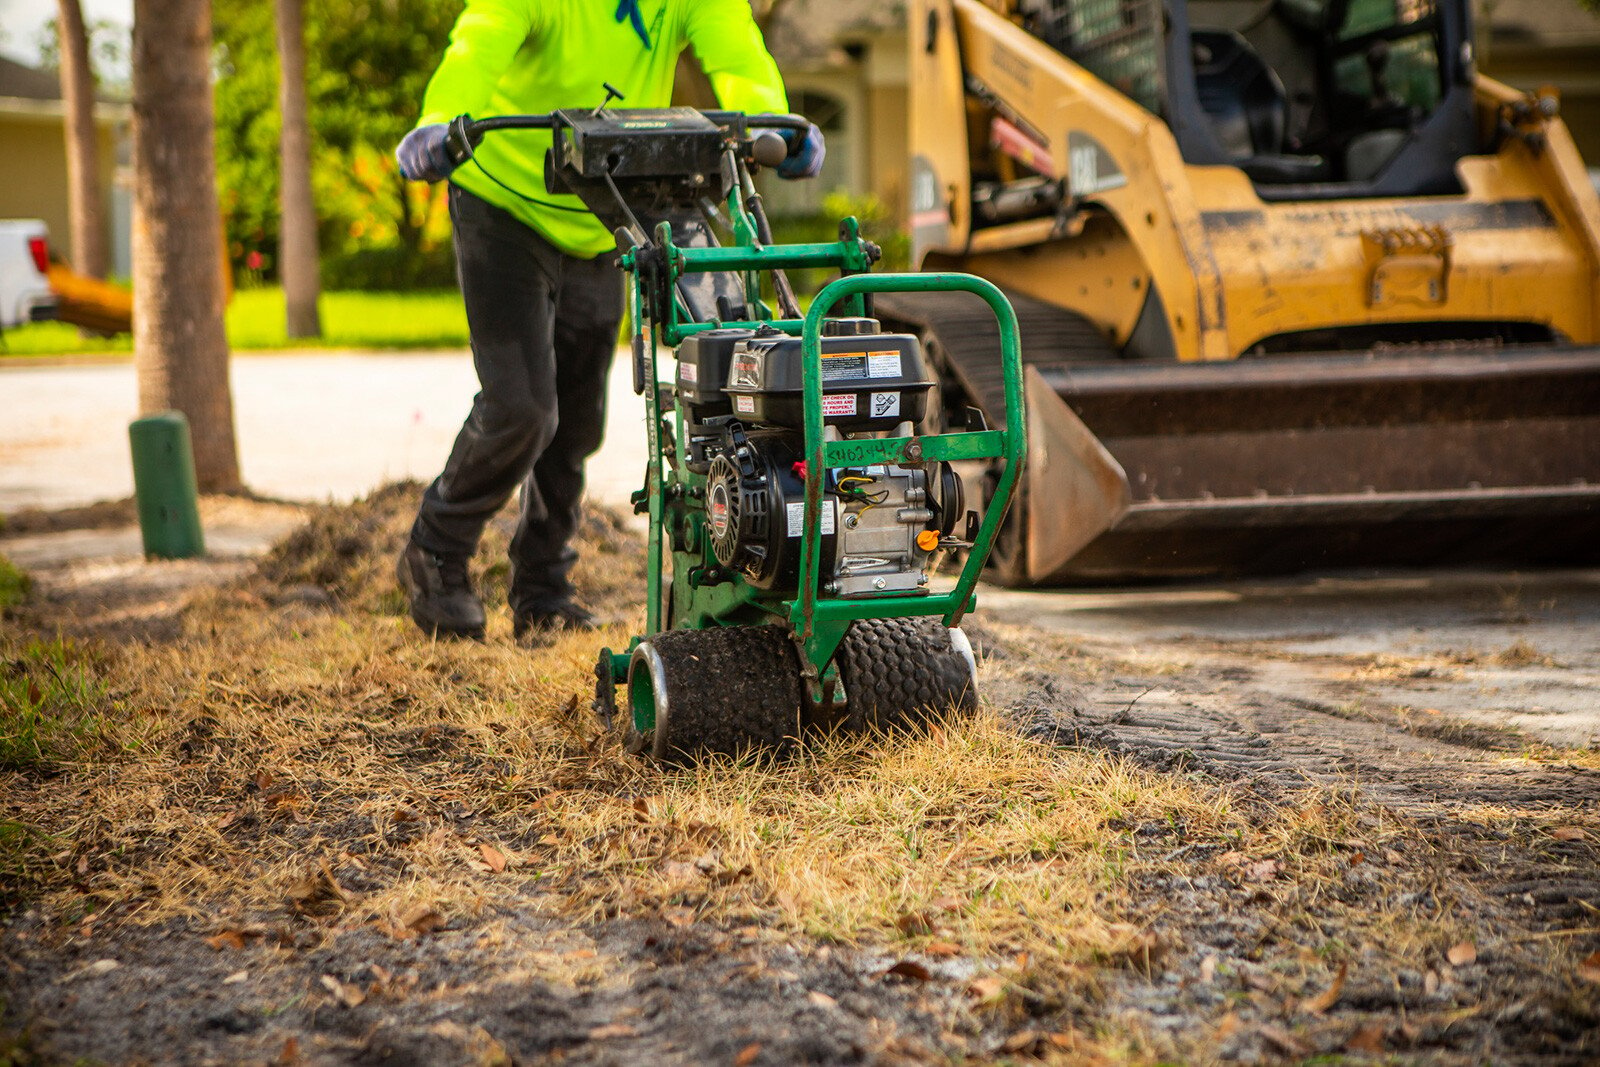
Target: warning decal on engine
(839,404)
(746,404)
(883,364)
(797,516)
(688,372)
(838,366)
(885,405)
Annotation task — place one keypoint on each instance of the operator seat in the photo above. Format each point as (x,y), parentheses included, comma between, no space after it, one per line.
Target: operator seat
(1248,108)
(1244,98)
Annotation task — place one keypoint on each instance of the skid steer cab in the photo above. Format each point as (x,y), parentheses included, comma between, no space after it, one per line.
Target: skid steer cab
(797,517)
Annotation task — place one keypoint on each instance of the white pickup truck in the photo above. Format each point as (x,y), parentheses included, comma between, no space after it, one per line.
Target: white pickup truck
(25,294)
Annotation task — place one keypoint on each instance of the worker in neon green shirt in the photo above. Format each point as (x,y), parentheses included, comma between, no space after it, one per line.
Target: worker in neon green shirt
(543,297)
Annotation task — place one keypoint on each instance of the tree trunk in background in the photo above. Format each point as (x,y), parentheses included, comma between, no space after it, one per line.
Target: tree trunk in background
(86,209)
(297,236)
(180,349)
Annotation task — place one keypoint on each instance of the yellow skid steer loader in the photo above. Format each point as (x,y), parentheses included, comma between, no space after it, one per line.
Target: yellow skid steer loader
(1298,288)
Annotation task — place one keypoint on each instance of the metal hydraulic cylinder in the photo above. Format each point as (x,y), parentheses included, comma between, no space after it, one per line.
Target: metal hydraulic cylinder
(164,486)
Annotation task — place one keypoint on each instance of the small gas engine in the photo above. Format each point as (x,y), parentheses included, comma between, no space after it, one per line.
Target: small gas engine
(882,523)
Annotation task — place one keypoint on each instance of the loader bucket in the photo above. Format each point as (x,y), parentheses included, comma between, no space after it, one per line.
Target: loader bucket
(1290,463)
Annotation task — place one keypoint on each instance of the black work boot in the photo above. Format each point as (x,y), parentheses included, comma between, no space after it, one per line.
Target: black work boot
(530,624)
(442,600)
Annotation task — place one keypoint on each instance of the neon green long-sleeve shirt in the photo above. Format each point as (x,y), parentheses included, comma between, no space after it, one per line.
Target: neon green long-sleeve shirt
(532,56)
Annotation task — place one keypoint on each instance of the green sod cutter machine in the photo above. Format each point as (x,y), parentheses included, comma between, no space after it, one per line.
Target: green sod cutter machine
(800,488)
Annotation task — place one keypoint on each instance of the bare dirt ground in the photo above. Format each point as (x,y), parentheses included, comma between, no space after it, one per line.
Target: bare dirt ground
(1352,820)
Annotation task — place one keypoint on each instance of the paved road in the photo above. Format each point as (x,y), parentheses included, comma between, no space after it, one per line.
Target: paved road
(311,426)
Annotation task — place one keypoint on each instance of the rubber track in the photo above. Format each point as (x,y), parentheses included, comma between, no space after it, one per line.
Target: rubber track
(729,689)
(900,673)
(969,334)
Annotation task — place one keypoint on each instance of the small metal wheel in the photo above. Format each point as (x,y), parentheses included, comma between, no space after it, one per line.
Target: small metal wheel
(721,690)
(900,673)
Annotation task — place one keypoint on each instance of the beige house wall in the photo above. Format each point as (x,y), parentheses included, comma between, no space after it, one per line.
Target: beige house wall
(33,169)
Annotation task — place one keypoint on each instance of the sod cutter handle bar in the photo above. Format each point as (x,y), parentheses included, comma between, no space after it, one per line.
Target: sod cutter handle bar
(1012,445)
(465,132)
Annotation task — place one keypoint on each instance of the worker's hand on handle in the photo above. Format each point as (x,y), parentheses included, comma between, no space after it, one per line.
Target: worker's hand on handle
(806,153)
(423,156)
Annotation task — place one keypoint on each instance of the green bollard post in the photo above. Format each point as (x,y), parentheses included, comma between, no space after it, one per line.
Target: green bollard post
(164,486)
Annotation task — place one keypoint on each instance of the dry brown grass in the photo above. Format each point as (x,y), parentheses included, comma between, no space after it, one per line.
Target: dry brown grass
(285,761)
(291,768)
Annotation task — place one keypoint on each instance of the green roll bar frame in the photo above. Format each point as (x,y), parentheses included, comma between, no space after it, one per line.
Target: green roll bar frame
(819,625)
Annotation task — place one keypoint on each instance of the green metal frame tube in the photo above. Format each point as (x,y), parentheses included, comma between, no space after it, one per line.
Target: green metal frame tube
(1013,443)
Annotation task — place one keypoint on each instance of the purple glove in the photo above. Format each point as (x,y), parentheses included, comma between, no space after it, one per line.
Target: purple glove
(806,153)
(422,154)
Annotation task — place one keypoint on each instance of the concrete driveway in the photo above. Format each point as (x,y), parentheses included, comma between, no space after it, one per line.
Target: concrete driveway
(311,425)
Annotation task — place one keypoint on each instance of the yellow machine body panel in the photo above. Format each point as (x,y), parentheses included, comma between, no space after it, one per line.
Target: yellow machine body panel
(1521,244)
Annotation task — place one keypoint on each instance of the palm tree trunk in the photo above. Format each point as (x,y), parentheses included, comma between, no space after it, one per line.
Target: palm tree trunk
(86,210)
(180,348)
(297,246)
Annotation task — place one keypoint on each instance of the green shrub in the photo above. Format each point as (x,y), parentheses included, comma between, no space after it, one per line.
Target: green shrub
(876,225)
(390,268)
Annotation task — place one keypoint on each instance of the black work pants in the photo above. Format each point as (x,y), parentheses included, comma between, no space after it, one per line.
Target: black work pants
(544,327)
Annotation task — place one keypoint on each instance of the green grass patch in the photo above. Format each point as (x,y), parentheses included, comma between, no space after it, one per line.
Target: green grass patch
(13,585)
(423,319)
(50,704)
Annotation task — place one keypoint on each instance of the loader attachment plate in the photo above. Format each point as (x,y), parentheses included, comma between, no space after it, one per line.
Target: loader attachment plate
(1415,457)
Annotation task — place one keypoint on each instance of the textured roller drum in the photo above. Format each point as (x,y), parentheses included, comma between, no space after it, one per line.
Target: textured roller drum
(722,690)
(900,673)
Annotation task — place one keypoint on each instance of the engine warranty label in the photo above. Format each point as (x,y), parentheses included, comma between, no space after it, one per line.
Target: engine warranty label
(847,366)
(843,366)
(796,510)
(839,404)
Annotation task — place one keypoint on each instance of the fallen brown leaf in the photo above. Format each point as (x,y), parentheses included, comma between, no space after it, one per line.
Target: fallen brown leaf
(1370,1038)
(319,892)
(1227,1026)
(1021,1040)
(987,990)
(493,857)
(233,938)
(821,1000)
(1462,953)
(1569,833)
(942,948)
(1246,869)
(911,969)
(344,993)
(747,1055)
(1283,1040)
(1329,997)
(1357,858)
(1589,969)
(418,922)
(914,922)
(291,1052)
